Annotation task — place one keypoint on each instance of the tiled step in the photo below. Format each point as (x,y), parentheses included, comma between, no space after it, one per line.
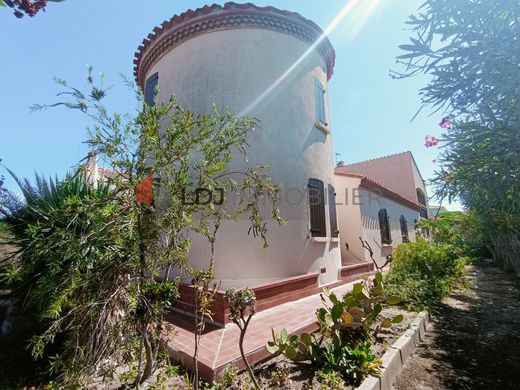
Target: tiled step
(356,271)
(219,345)
(267,295)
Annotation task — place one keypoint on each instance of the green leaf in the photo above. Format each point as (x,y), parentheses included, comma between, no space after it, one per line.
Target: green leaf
(377,309)
(306,339)
(379,276)
(363,295)
(357,289)
(387,323)
(321,314)
(291,353)
(272,347)
(302,348)
(397,319)
(336,312)
(284,336)
(393,300)
(333,298)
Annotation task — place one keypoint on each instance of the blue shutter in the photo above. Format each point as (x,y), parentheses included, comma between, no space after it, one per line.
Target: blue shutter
(150,89)
(320,102)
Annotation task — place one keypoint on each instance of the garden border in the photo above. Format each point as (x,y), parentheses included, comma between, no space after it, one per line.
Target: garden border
(397,355)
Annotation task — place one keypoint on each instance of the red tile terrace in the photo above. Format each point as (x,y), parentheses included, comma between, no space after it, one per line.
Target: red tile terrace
(288,303)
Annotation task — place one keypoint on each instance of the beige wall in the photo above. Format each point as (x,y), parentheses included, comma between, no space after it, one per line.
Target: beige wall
(233,68)
(359,218)
(349,219)
(370,218)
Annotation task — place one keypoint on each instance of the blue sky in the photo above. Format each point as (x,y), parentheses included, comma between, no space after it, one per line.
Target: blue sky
(370,112)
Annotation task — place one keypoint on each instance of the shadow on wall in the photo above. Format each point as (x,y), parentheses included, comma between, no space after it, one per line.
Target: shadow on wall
(315,136)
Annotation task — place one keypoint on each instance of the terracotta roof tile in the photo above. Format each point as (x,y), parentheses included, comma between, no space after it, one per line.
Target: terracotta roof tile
(194,22)
(369,184)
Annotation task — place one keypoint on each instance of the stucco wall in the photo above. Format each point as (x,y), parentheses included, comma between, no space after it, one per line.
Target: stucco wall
(233,68)
(370,218)
(349,219)
(359,218)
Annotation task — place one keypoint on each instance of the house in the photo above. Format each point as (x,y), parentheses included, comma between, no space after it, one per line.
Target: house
(95,174)
(275,66)
(379,202)
(397,172)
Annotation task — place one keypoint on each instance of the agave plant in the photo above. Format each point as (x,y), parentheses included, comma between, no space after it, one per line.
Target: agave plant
(48,210)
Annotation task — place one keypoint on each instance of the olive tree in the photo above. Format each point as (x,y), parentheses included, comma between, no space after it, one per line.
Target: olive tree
(95,256)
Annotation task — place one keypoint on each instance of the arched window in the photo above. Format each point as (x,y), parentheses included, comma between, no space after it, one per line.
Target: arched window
(421,199)
(404,229)
(150,89)
(384,227)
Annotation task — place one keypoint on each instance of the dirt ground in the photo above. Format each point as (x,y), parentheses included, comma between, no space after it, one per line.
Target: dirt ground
(474,342)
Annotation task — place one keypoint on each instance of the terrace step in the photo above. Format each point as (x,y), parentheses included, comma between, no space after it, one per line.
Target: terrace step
(351,272)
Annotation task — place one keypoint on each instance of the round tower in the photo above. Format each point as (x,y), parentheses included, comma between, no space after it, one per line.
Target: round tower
(274,65)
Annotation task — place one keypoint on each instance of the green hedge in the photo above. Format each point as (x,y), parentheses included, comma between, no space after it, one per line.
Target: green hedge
(422,272)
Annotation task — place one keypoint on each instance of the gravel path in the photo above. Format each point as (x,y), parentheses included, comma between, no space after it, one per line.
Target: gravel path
(474,342)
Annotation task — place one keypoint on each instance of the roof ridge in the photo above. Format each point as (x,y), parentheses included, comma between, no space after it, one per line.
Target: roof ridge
(378,158)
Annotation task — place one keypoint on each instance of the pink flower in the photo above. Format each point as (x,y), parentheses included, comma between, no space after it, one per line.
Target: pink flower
(430,141)
(434,161)
(445,123)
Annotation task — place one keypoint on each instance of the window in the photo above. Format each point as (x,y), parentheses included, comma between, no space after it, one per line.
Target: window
(404,229)
(317,208)
(384,227)
(150,89)
(320,104)
(334,231)
(421,199)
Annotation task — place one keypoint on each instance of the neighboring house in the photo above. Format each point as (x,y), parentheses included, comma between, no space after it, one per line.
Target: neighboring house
(378,201)
(95,174)
(397,172)
(435,210)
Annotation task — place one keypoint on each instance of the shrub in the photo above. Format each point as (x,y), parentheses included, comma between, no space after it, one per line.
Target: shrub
(423,272)
(330,380)
(347,328)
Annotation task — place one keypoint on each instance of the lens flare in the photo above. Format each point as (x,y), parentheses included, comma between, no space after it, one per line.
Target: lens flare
(361,17)
(345,11)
